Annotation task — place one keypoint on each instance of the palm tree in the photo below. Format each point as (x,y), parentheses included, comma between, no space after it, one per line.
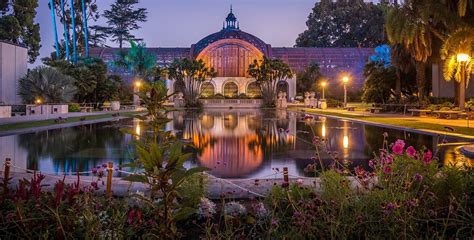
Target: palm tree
(461,41)
(47,84)
(405,26)
(138,60)
(269,73)
(191,74)
(402,62)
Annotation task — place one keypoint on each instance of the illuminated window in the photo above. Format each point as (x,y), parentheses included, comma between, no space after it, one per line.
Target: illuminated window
(207,89)
(231,89)
(253,90)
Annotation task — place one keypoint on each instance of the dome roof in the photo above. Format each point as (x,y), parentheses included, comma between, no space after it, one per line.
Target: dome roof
(230,34)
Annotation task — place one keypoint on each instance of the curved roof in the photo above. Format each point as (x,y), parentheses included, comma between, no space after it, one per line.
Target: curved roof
(230,34)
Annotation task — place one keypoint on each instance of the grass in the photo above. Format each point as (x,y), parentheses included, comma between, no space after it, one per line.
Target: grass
(413,123)
(43,123)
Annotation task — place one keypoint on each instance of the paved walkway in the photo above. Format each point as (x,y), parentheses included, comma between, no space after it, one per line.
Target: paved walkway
(34,118)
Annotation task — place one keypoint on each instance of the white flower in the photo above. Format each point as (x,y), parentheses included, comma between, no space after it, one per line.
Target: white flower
(300,181)
(235,209)
(207,208)
(260,210)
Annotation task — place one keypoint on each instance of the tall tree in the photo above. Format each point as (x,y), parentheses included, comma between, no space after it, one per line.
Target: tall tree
(343,23)
(191,73)
(92,14)
(269,73)
(307,80)
(17,25)
(123,18)
(404,25)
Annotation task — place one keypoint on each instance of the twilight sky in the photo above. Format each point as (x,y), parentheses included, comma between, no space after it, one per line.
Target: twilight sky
(180,23)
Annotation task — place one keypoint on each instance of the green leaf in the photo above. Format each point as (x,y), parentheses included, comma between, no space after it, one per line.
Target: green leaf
(184,213)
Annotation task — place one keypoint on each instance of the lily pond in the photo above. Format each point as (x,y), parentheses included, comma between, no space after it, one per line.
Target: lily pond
(230,143)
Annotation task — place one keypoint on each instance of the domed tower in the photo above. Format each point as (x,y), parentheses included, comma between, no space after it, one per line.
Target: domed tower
(229,52)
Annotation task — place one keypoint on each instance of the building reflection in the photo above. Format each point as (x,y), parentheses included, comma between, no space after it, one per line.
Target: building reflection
(234,144)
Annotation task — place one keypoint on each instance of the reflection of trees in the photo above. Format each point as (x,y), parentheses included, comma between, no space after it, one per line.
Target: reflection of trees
(272,135)
(76,148)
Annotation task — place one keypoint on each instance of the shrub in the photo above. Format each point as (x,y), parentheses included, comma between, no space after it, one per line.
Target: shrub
(74,107)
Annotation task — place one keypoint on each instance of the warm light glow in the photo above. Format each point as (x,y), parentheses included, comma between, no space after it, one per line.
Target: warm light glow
(138,84)
(137,129)
(323,130)
(462,57)
(38,101)
(323,84)
(345,142)
(345,79)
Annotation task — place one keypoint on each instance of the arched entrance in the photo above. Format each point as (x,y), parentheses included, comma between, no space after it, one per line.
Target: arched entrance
(283,87)
(231,90)
(207,89)
(253,90)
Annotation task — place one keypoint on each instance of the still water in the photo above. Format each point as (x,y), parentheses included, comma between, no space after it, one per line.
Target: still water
(231,143)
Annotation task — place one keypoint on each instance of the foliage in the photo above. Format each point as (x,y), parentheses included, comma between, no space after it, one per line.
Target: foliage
(122,18)
(92,81)
(404,26)
(343,24)
(460,41)
(17,25)
(379,83)
(74,107)
(269,73)
(47,84)
(190,74)
(137,60)
(307,80)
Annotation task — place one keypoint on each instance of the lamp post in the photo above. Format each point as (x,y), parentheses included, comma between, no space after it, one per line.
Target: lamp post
(136,98)
(462,59)
(323,85)
(345,80)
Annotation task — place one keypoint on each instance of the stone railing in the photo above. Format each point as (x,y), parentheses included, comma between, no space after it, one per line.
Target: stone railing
(231,103)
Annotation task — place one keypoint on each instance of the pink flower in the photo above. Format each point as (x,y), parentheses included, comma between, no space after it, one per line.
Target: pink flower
(397,148)
(427,157)
(387,170)
(299,181)
(371,164)
(411,151)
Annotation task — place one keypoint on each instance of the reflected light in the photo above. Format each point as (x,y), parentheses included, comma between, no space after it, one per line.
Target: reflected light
(137,129)
(323,130)
(345,142)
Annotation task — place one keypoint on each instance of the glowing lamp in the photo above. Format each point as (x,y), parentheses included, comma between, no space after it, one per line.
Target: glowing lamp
(345,79)
(462,57)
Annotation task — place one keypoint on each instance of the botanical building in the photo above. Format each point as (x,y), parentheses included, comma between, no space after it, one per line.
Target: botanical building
(231,50)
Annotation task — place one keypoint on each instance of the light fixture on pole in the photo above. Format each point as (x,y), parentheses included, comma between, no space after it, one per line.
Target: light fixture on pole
(345,80)
(323,85)
(136,98)
(462,58)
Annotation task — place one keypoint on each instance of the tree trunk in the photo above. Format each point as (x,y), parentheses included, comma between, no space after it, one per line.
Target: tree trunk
(398,85)
(456,86)
(421,80)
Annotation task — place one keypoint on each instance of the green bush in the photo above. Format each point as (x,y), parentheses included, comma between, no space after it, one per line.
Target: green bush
(74,107)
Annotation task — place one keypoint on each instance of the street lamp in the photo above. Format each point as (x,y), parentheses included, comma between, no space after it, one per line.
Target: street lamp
(38,101)
(323,85)
(136,98)
(462,59)
(345,80)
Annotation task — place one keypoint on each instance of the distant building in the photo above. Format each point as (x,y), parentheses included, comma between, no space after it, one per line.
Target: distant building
(231,50)
(13,66)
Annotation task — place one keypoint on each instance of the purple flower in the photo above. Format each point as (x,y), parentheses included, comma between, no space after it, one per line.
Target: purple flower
(94,170)
(397,148)
(418,177)
(387,170)
(411,151)
(104,165)
(371,164)
(427,157)
(274,222)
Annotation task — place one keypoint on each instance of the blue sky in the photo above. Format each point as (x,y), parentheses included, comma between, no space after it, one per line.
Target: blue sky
(180,23)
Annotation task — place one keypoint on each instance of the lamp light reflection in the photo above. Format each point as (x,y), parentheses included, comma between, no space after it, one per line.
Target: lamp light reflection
(323,130)
(345,142)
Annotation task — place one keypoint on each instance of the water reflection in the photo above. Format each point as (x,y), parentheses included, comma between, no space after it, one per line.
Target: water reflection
(232,144)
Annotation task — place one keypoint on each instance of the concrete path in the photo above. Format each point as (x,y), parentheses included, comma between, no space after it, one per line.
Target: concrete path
(34,118)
